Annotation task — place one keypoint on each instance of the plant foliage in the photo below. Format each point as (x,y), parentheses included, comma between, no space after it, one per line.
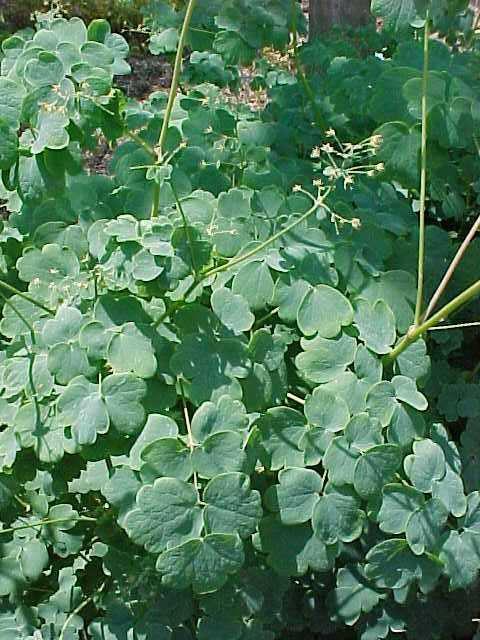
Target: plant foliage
(203,432)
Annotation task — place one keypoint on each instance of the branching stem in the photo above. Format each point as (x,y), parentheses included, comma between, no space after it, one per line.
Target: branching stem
(452,268)
(25,296)
(41,523)
(416,332)
(318,202)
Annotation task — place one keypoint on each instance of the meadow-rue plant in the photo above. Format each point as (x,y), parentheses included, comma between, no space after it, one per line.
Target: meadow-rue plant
(225,412)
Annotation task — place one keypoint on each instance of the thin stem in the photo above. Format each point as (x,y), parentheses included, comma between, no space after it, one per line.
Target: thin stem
(190,440)
(239,259)
(452,268)
(416,332)
(266,317)
(136,138)
(462,325)
(187,229)
(75,612)
(295,398)
(423,178)
(20,315)
(177,68)
(261,247)
(42,523)
(171,98)
(25,296)
(474,373)
(298,67)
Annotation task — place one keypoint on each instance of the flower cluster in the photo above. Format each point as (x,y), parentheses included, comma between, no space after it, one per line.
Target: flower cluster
(346,160)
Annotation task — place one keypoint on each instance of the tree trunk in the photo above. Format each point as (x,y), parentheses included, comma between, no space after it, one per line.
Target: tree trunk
(324,14)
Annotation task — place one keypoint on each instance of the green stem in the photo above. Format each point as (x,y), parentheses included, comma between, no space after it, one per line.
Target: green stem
(70,617)
(416,332)
(266,317)
(462,325)
(20,315)
(42,523)
(188,424)
(300,74)
(423,178)
(17,292)
(452,268)
(187,229)
(235,261)
(261,247)
(171,97)
(138,140)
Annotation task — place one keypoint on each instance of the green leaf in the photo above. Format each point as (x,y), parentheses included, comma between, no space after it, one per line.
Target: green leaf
(397,15)
(398,504)
(164,42)
(281,430)
(324,360)
(8,147)
(461,563)
(204,563)
(400,152)
(64,327)
(231,505)
(34,559)
(50,265)
(130,350)
(166,514)
(169,457)
(123,395)
(375,468)
(425,526)
(413,91)
(326,411)
(376,325)
(226,414)
(219,453)
(425,465)
(337,516)
(120,490)
(353,595)
(232,310)
(82,406)
(291,550)
(255,283)
(397,289)
(406,391)
(325,311)
(67,361)
(47,69)
(296,495)
(11,98)
(392,565)
(97,54)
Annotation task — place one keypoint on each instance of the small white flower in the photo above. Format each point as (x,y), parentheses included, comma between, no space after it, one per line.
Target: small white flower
(327,148)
